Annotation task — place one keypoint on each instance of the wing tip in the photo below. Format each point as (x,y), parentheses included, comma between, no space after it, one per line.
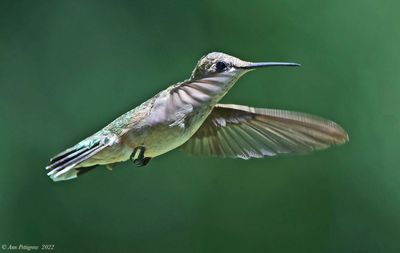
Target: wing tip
(341,136)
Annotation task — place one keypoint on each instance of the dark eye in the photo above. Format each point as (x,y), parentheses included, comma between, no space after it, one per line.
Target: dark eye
(221,66)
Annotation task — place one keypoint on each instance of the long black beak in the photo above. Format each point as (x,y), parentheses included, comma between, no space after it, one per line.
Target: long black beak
(254,65)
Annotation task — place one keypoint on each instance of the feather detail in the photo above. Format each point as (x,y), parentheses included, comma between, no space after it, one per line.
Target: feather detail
(65,165)
(245,132)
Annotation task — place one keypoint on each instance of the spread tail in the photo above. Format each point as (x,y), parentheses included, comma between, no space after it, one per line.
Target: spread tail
(65,165)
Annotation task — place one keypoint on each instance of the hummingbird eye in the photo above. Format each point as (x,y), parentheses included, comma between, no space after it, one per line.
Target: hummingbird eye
(221,66)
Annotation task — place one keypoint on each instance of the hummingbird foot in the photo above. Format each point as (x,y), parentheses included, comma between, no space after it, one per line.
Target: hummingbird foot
(140,160)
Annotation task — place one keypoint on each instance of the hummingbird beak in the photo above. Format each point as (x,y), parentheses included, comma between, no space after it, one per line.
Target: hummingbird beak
(254,65)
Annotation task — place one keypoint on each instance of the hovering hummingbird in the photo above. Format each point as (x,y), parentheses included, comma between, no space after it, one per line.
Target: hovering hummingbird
(187,115)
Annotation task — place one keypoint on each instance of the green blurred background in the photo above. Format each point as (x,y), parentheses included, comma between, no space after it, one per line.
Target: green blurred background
(67,68)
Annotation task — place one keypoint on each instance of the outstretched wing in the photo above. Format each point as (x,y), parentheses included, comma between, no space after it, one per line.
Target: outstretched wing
(244,132)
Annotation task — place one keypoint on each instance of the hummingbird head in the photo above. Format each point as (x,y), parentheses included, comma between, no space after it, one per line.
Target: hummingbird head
(216,73)
(224,65)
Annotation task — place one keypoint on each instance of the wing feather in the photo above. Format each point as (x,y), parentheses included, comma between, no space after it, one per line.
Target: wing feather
(246,132)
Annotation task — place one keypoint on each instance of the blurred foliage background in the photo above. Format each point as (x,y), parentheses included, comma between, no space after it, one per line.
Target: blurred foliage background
(67,68)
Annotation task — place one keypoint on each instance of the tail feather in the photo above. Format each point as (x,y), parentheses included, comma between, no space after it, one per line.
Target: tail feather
(65,159)
(62,154)
(64,165)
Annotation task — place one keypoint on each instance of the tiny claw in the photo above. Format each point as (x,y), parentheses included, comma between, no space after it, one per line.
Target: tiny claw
(140,160)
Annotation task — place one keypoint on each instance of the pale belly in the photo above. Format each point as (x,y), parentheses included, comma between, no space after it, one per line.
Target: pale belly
(161,138)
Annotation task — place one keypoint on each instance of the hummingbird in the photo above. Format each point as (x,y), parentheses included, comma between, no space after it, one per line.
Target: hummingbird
(188,115)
